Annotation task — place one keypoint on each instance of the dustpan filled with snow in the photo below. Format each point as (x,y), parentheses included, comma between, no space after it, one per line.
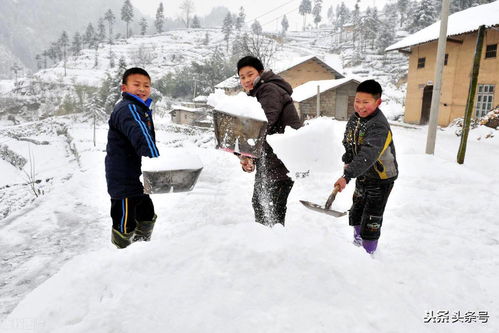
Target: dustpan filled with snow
(240,123)
(176,170)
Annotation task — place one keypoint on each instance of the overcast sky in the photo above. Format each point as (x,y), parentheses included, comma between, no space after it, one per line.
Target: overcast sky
(268,12)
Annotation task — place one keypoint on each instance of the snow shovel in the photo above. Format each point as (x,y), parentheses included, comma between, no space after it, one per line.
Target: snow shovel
(327,207)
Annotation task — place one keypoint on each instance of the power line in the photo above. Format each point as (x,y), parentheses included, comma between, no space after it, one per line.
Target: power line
(280,16)
(270,11)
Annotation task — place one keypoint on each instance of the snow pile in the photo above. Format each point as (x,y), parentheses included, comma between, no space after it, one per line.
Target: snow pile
(314,148)
(172,159)
(240,105)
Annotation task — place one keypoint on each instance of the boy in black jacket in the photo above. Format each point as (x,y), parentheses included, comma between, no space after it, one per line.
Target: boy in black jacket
(369,157)
(131,136)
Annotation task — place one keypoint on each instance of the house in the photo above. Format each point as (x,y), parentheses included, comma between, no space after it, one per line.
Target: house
(296,72)
(460,48)
(336,98)
(187,115)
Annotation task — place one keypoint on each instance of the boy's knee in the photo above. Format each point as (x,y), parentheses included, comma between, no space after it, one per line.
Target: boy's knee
(371,227)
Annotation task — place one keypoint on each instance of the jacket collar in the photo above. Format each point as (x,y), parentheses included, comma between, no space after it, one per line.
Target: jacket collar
(135,98)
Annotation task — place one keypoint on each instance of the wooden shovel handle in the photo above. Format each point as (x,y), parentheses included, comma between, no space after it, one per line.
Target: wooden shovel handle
(331,198)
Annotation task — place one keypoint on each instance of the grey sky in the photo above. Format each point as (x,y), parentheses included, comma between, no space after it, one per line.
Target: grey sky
(260,9)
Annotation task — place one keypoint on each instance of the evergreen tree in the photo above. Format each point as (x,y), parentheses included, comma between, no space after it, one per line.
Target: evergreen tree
(160,18)
(110,18)
(195,22)
(385,38)
(227,28)
(206,39)
(101,30)
(403,7)
(64,42)
(143,26)
(355,20)
(284,24)
(38,59)
(76,44)
(342,15)
(89,36)
(127,14)
(423,15)
(256,28)
(304,9)
(330,14)
(241,17)
(316,12)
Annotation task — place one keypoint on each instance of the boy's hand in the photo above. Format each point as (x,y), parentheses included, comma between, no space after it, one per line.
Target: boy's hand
(341,183)
(247,163)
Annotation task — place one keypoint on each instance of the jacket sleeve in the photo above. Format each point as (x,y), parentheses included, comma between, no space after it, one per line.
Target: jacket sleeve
(370,149)
(347,143)
(271,101)
(129,123)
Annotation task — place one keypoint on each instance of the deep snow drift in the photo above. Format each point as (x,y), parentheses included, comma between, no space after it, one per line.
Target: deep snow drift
(210,268)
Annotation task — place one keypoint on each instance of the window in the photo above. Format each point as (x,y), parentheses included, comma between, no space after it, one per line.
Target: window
(421,62)
(446,59)
(485,99)
(491,51)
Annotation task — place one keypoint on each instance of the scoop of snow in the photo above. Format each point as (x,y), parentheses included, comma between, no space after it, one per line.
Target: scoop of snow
(172,159)
(240,105)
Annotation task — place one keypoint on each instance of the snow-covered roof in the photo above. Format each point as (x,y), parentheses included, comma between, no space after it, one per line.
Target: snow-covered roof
(178,107)
(287,65)
(231,82)
(309,89)
(459,23)
(201,99)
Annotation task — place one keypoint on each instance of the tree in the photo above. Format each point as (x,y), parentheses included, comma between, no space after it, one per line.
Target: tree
(195,22)
(160,18)
(284,24)
(403,7)
(64,42)
(256,28)
(110,18)
(127,14)
(206,40)
(143,26)
(342,15)
(241,17)
(101,30)
(355,20)
(89,36)
(316,12)
(187,7)
(304,9)
(423,15)
(76,44)
(385,38)
(227,28)
(330,14)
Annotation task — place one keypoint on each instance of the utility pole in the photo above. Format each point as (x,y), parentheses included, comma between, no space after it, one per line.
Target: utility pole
(471,95)
(435,98)
(318,101)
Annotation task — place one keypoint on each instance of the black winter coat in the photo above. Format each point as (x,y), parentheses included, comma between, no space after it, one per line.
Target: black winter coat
(274,94)
(131,135)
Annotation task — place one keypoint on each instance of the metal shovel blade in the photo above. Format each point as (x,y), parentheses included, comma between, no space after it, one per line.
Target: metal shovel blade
(325,209)
(320,209)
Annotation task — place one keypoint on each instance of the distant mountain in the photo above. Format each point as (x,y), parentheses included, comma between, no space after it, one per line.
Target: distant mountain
(28,26)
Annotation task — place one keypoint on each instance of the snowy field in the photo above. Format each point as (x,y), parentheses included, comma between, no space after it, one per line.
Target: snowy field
(210,268)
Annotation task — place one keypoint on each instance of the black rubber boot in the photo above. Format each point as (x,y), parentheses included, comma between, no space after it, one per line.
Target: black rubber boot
(143,230)
(121,240)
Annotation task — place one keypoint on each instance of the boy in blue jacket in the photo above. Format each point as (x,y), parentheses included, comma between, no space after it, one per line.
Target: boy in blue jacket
(131,136)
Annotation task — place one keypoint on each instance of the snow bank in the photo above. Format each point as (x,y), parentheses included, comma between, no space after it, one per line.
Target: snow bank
(240,105)
(172,159)
(316,147)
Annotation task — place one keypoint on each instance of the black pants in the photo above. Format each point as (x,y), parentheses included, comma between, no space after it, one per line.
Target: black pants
(126,212)
(369,202)
(269,200)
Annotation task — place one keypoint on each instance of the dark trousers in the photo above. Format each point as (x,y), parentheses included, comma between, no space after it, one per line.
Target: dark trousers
(369,202)
(126,212)
(269,200)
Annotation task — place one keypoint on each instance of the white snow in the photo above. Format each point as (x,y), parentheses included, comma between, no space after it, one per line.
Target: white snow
(458,23)
(211,268)
(240,105)
(172,159)
(309,89)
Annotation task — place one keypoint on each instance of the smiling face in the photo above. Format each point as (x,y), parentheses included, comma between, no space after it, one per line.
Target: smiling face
(365,104)
(138,85)
(247,76)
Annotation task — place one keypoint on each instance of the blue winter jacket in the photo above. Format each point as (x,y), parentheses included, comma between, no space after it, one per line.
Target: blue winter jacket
(131,136)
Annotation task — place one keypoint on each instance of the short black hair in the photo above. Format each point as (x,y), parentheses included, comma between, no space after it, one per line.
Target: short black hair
(249,61)
(134,70)
(371,87)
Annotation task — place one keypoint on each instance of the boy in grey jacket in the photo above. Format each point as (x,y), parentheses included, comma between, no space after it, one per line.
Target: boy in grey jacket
(370,158)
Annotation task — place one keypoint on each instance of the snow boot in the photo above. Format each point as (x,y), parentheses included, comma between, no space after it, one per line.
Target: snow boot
(370,245)
(357,240)
(143,230)
(121,239)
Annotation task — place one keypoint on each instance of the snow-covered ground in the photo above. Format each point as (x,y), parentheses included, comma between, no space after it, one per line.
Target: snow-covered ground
(210,268)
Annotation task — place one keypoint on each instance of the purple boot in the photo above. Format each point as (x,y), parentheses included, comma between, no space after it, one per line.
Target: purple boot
(370,245)
(357,240)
